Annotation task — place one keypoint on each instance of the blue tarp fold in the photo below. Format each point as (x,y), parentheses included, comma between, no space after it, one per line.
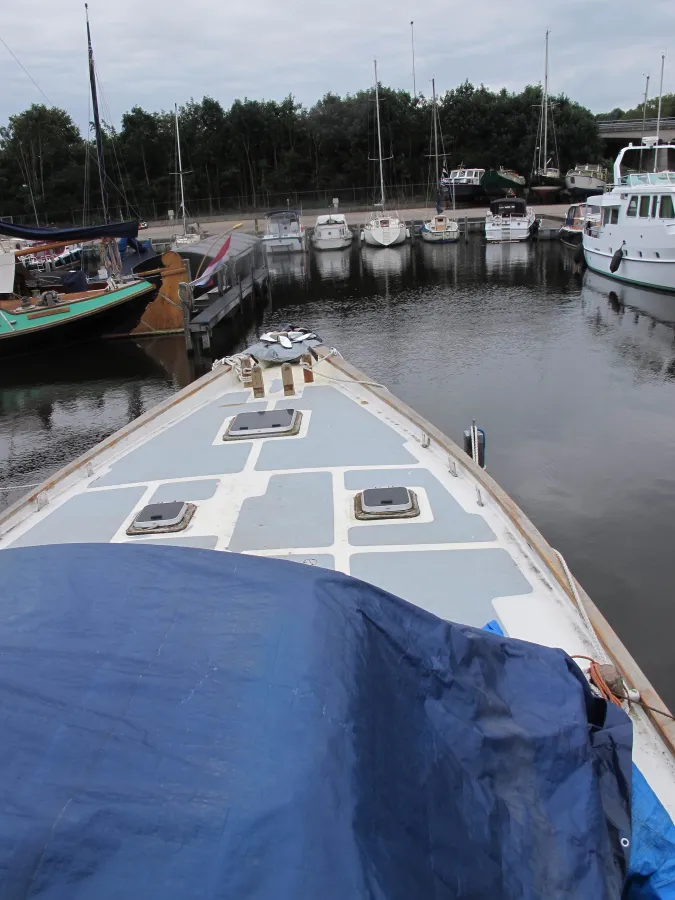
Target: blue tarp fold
(182,723)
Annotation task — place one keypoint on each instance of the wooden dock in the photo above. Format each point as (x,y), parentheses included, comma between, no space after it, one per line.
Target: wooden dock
(201,315)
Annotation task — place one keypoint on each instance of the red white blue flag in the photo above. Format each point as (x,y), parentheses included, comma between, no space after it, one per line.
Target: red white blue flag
(216,263)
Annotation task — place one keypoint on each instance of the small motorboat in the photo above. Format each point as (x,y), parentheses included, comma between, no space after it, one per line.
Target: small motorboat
(440,230)
(509,219)
(582,181)
(578,217)
(331,232)
(284,233)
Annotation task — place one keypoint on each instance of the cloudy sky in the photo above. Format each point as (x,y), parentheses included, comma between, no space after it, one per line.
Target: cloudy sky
(157,52)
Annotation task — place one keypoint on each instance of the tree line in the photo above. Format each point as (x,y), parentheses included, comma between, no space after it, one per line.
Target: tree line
(649,110)
(261,154)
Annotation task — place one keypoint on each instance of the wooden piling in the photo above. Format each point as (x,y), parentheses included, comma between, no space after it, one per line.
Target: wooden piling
(287,380)
(307,371)
(257,382)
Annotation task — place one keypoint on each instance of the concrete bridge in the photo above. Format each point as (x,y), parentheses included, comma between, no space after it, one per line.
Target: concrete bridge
(632,130)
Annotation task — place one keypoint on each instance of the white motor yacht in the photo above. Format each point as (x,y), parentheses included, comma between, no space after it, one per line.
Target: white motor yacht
(509,219)
(284,233)
(635,239)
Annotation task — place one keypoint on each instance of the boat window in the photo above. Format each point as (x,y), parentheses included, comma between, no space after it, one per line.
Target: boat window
(667,211)
(615,215)
(644,206)
(655,203)
(593,211)
(632,207)
(606,215)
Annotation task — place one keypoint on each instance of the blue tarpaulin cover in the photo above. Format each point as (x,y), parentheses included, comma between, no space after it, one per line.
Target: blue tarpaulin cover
(181,723)
(77,233)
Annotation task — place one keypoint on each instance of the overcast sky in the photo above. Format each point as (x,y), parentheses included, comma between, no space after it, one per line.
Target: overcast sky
(157,52)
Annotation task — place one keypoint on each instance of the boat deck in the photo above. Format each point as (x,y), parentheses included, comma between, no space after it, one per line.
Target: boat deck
(467,557)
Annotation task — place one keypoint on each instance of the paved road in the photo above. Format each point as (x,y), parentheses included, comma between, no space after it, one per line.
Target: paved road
(553,212)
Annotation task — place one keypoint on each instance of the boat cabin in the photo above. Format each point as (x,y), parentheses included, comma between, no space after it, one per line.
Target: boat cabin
(331,219)
(465,176)
(283,222)
(509,206)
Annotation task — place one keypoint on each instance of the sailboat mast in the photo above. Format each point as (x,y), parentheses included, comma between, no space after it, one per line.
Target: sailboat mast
(546,108)
(180,173)
(379,136)
(97,122)
(658,115)
(644,106)
(433,96)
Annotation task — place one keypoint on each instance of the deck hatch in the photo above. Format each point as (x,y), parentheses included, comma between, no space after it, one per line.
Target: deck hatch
(263,423)
(162,518)
(386,503)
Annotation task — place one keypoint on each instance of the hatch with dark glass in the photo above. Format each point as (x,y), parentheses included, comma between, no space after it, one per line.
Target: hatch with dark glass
(386,503)
(263,423)
(162,517)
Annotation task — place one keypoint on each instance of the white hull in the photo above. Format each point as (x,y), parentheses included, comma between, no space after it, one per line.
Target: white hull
(506,229)
(440,237)
(322,243)
(385,237)
(653,273)
(287,244)
(585,183)
(507,233)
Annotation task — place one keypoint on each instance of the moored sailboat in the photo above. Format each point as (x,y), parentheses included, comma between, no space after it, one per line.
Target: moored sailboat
(545,180)
(383,229)
(71,308)
(192,232)
(440,229)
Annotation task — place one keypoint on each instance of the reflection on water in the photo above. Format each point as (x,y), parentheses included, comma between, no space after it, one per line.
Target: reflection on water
(657,304)
(386,260)
(572,379)
(501,258)
(55,407)
(333,265)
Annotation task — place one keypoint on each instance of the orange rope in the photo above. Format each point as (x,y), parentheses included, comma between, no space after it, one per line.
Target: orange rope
(606,691)
(598,680)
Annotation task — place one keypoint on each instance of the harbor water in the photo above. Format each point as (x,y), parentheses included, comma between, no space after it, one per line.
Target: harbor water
(572,377)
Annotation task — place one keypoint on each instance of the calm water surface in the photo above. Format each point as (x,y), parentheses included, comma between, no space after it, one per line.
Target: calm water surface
(574,385)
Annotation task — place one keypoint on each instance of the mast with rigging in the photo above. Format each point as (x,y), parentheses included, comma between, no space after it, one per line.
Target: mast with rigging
(379,136)
(97,123)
